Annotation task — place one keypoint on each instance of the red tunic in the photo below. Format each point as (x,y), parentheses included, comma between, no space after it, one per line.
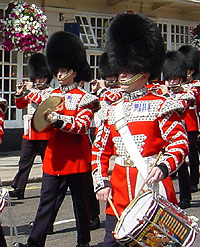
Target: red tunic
(3,108)
(1,125)
(188,95)
(69,149)
(109,95)
(31,101)
(106,97)
(154,125)
(193,118)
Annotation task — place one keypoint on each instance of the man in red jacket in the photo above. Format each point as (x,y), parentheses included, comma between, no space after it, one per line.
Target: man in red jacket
(3,107)
(140,126)
(192,118)
(29,95)
(68,151)
(175,76)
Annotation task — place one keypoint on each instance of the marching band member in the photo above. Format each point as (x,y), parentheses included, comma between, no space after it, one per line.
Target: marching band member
(93,203)
(3,108)
(107,89)
(138,126)
(192,119)
(30,95)
(175,76)
(68,150)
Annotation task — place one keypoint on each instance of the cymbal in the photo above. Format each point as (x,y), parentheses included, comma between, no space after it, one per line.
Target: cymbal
(38,122)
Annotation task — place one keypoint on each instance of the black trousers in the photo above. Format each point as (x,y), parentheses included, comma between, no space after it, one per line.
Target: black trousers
(193,157)
(53,189)
(184,182)
(29,150)
(2,238)
(109,240)
(93,203)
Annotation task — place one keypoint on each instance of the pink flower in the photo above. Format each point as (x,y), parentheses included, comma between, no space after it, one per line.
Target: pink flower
(13,36)
(13,15)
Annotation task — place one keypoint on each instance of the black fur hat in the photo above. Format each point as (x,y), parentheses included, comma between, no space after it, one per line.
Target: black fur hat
(84,74)
(134,44)
(192,57)
(65,50)
(37,67)
(175,65)
(104,66)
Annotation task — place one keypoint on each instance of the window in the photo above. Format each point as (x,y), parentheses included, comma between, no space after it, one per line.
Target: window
(92,29)
(175,34)
(86,32)
(179,35)
(10,74)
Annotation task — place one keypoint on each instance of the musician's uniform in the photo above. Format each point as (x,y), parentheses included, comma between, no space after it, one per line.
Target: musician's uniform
(3,107)
(106,97)
(67,158)
(192,126)
(187,98)
(154,125)
(33,143)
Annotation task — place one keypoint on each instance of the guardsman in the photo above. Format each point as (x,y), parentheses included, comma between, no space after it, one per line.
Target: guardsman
(140,125)
(68,151)
(29,95)
(175,76)
(192,119)
(3,108)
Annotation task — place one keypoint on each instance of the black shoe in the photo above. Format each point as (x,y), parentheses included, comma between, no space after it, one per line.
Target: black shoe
(17,193)
(83,245)
(19,245)
(49,230)
(95,223)
(194,188)
(184,204)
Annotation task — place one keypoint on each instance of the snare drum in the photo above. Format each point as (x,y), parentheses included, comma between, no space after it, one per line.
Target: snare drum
(153,221)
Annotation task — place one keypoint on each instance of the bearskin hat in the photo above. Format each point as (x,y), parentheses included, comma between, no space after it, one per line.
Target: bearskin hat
(175,65)
(85,73)
(192,57)
(38,68)
(104,66)
(134,44)
(65,50)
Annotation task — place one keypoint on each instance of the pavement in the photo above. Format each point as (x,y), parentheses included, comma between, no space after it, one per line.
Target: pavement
(9,167)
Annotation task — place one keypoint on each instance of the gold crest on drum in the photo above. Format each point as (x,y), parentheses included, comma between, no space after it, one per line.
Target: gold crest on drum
(153,221)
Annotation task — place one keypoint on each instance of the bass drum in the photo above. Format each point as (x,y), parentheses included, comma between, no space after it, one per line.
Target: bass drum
(152,221)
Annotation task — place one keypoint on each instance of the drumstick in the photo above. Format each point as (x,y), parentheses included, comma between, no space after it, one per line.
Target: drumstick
(145,181)
(113,207)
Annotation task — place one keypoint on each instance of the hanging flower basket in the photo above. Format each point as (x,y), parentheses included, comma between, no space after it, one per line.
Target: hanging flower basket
(195,37)
(24,27)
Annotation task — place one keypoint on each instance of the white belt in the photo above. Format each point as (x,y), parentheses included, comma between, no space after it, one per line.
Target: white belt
(27,124)
(127,162)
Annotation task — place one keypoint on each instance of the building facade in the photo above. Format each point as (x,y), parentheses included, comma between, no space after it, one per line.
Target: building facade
(175,19)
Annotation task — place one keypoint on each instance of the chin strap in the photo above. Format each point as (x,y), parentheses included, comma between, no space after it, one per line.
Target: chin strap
(132,79)
(69,73)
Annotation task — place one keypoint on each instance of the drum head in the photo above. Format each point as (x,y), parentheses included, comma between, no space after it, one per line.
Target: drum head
(131,216)
(38,122)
